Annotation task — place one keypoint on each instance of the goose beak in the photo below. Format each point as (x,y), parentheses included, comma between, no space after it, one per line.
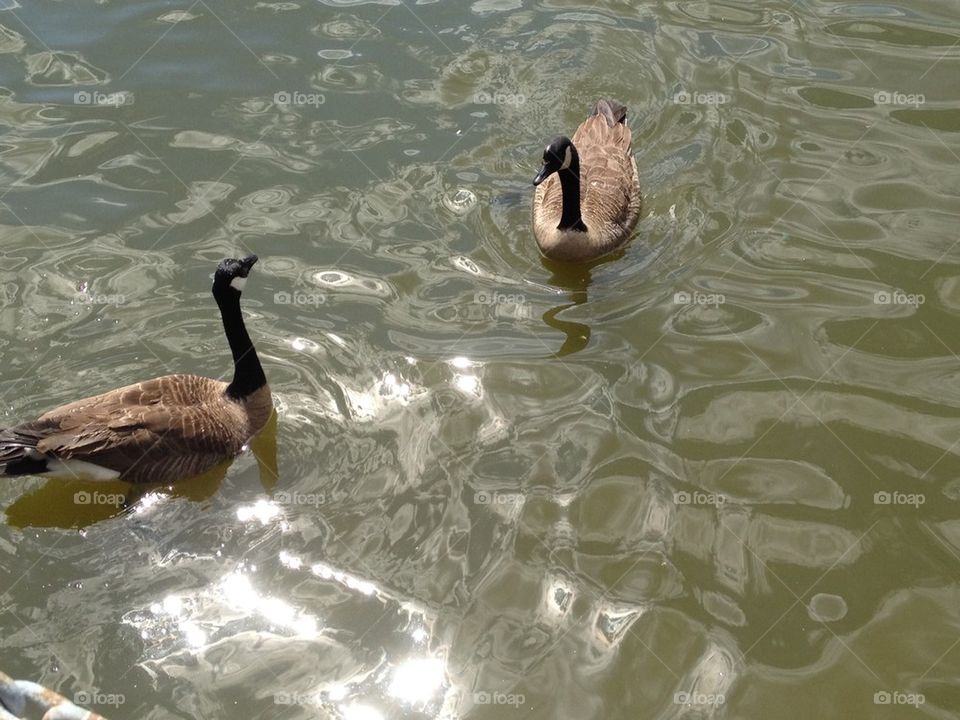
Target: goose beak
(542,175)
(247,263)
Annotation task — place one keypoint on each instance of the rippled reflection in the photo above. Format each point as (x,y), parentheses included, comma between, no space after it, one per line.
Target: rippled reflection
(712,475)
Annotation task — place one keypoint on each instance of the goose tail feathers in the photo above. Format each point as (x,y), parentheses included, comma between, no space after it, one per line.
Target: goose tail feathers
(18,454)
(613,111)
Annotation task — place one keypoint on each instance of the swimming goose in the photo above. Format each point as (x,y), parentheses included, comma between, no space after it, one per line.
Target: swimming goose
(160,430)
(594,202)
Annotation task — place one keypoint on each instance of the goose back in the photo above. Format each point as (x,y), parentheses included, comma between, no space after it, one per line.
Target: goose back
(158,430)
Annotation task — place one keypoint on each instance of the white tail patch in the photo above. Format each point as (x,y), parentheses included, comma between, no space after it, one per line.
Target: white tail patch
(238,282)
(78,470)
(567,159)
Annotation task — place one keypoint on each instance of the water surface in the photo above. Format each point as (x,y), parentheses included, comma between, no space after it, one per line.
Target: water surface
(714,475)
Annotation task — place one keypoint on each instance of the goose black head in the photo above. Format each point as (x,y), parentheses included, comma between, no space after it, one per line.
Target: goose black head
(232,274)
(558,155)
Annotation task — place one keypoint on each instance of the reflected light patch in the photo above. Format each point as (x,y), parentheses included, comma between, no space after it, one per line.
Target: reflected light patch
(172,605)
(392,386)
(363,404)
(558,597)
(385,392)
(290,561)
(613,621)
(465,263)
(147,501)
(304,344)
(239,591)
(361,712)
(416,681)
(461,363)
(337,339)
(469,384)
(192,633)
(338,692)
(328,573)
(262,510)
(242,595)
(565,499)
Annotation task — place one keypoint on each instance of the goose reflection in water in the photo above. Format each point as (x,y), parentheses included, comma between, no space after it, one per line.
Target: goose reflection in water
(79,504)
(575,279)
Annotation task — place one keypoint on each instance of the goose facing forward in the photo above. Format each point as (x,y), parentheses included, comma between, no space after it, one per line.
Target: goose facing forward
(588,198)
(160,430)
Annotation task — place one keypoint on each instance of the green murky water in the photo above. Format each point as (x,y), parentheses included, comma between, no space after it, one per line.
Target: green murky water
(716,475)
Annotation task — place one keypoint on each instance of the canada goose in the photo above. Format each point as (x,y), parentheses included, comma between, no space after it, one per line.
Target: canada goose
(160,430)
(574,220)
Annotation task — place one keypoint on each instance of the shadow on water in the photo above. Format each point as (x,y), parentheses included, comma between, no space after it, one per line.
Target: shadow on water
(77,504)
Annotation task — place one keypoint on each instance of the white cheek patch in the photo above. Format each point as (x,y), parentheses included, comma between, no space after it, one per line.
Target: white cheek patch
(567,159)
(238,282)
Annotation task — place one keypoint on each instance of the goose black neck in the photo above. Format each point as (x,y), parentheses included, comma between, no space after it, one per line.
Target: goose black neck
(247,373)
(570,218)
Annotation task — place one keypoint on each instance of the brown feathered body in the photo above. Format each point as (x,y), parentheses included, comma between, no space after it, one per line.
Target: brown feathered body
(157,431)
(610,195)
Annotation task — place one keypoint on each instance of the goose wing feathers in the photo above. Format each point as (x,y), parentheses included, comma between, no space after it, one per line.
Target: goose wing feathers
(139,431)
(609,185)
